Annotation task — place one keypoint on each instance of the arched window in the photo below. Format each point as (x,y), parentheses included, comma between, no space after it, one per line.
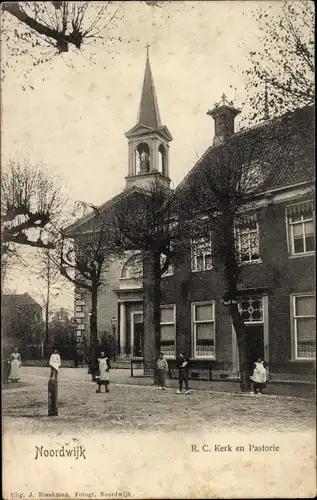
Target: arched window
(133,267)
(143,157)
(162,160)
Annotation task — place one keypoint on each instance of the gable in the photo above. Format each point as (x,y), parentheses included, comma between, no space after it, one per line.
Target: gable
(139,130)
(87,222)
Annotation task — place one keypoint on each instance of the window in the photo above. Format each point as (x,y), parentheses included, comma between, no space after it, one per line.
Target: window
(204,329)
(201,254)
(304,326)
(168,330)
(247,239)
(251,309)
(300,227)
(133,268)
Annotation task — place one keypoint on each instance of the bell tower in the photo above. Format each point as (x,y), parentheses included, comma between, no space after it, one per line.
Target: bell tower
(148,139)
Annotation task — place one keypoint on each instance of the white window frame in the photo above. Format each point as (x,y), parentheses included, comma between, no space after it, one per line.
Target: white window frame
(238,230)
(195,254)
(294,296)
(290,231)
(169,323)
(194,323)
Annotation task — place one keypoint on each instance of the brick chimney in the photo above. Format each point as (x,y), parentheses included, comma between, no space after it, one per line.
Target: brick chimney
(224,114)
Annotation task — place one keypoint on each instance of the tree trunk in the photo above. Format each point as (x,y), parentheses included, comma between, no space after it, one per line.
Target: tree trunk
(46,353)
(151,311)
(244,362)
(232,270)
(93,327)
(47,305)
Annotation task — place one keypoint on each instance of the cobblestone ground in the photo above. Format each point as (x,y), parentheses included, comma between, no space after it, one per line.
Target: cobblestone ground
(145,408)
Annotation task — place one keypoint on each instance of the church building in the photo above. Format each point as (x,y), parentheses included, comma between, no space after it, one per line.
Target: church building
(277,285)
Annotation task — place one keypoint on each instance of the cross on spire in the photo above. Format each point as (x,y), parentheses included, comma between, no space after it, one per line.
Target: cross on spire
(147,50)
(224,98)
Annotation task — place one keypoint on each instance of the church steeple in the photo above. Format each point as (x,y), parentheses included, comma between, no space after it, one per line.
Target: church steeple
(148,139)
(148,111)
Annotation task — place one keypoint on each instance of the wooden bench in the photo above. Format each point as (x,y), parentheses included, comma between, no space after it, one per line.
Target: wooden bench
(137,362)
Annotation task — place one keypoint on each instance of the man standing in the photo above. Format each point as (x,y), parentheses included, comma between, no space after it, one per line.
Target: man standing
(161,367)
(55,363)
(182,365)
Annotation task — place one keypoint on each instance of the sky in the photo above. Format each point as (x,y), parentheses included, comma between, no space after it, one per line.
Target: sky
(72,114)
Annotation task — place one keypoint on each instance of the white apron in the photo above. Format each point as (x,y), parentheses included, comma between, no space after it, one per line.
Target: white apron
(259,373)
(55,361)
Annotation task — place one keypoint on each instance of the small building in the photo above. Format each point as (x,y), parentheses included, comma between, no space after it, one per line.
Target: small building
(277,283)
(21,324)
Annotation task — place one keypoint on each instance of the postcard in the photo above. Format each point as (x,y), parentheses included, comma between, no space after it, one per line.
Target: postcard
(158,251)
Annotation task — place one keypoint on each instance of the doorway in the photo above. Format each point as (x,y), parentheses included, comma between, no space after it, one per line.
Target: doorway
(137,334)
(138,340)
(255,341)
(254,311)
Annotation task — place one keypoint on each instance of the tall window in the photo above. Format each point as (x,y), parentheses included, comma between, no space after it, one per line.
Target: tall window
(247,239)
(300,227)
(142,157)
(168,330)
(201,254)
(162,160)
(203,315)
(304,326)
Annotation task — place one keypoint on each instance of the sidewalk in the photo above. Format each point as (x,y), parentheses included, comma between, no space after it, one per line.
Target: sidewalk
(273,388)
(123,377)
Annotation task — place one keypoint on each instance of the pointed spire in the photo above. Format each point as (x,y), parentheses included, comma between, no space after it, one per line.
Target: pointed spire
(148,111)
(266,104)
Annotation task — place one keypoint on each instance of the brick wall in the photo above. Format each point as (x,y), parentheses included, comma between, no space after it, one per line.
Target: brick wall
(278,274)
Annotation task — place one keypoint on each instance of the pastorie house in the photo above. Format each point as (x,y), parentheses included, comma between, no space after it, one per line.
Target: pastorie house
(277,286)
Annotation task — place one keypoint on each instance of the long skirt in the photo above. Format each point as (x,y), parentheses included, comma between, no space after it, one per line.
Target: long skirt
(15,370)
(161,378)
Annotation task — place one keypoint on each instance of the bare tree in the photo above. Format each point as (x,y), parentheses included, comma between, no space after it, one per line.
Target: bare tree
(30,200)
(45,28)
(220,196)
(82,260)
(281,74)
(145,221)
(51,284)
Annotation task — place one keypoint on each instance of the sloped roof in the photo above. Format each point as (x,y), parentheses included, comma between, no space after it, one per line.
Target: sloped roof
(148,111)
(14,300)
(284,147)
(72,229)
(149,119)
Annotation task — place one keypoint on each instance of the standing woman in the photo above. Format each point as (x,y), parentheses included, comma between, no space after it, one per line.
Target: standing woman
(15,360)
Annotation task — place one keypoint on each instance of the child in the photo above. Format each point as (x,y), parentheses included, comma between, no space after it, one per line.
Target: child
(104,375)
(182,365)
(259,376)
(55,363)
(162,367)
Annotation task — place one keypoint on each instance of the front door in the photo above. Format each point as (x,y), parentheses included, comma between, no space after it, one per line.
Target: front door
(255,341)
(137,334)
(254,312)
(138,340)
